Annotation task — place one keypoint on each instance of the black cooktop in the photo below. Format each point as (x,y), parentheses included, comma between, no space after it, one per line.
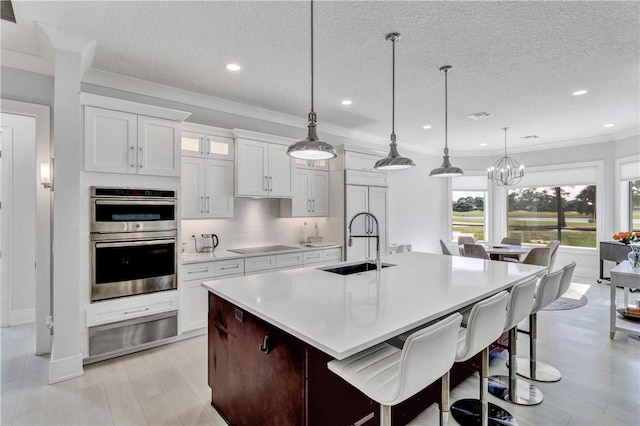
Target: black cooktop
(265,249)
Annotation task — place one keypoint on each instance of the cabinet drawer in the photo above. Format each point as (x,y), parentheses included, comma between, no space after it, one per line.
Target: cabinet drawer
(197,271)
(259,263)
(223,268)
(131,307)
(330,255)
(289,260)
(311,257)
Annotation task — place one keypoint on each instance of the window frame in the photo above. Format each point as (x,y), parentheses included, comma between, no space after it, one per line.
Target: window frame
(488,226)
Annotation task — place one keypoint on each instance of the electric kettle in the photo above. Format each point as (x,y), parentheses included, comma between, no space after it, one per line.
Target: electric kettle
(209,242)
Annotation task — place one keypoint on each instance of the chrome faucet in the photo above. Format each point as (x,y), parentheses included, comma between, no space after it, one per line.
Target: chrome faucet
(368,235)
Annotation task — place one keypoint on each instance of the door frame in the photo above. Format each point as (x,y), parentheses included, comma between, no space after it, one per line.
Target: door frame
(42,115)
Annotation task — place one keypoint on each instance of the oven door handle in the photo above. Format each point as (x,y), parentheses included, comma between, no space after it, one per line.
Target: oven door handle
(134,243)
(137,202)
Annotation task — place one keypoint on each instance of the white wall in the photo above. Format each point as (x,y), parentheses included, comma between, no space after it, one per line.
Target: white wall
(256,222)
(418,205)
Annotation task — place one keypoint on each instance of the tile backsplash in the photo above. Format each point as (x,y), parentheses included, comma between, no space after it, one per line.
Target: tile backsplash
(256,222)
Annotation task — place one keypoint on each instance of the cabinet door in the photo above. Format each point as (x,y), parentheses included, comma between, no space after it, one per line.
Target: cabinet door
(301,202)
(280,172)
(252,176)
(218,188)
(311,164)
(319,194)
(192,144)
(192,200)
(193,306)
(378,207)
(357,200)
(218,147)
(110,141)
(158,147)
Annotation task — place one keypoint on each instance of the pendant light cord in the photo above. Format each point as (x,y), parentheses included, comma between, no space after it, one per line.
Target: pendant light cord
(505,140)
(393,90)
(446,113)
(312,114)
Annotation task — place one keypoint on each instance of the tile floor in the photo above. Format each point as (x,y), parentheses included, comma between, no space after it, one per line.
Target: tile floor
(168,386)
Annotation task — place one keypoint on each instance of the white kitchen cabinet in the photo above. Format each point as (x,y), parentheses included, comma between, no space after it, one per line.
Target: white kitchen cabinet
(124,142)
(289,260)
(207,188)
(206,144)
(365,199)
(263,169)
(311,195)
(194,305)
(124,308)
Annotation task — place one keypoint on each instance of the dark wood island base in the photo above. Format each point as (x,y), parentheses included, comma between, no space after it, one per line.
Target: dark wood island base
(260,375)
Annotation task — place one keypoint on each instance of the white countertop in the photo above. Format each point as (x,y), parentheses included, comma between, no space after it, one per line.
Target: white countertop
(187,258)
(342,315)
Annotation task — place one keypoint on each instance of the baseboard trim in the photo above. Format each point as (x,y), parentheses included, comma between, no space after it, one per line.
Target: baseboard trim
(22,316)
(64,368)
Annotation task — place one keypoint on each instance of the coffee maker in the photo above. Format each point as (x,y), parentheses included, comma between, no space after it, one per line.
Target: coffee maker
(209,243)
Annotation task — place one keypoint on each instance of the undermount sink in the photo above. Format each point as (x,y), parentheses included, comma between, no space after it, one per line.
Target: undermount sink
(355,269)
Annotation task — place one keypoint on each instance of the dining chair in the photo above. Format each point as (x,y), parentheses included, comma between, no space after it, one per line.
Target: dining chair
(475,250)
(389,375)
(512,242)
(445,249)
(538,256)
(553,245)
(465,239)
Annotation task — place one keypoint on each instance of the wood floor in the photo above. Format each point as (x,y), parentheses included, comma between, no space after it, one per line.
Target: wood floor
(167,385)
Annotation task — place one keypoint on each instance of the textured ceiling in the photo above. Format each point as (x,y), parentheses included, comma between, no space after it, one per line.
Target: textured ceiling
(520,61)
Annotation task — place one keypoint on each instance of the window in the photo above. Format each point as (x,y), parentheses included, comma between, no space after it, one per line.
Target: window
(634,205)
(468,213)
(565,213)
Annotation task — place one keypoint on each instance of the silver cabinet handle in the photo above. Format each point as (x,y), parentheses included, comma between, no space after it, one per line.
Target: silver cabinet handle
(309,206)
(265,184)
(208,204)
(131,155)
(202,145)
(201,204)
(135,311)
(207,150)
(270,183)
(313,209)
(140,157)
(230,267)
(264,347)
(198,271)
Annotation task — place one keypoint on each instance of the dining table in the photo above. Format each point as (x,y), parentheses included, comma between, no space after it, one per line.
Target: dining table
(498,251)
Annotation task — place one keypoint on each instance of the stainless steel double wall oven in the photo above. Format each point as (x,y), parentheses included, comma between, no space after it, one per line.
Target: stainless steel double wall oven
(132,241)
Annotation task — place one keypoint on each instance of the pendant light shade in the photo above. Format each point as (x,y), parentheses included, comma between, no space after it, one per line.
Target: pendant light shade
(446,169)
(506,171)
(393,161)
(312,148)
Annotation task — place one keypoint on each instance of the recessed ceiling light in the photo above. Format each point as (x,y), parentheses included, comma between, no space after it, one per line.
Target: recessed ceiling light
(579,92)
(483,144)
(426,127)
(232,67)
(609,125)
(346,102)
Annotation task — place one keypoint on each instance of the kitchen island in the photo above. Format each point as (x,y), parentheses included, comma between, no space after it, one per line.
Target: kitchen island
(271,335)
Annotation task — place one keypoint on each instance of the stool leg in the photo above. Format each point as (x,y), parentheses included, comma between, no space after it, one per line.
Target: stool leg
(484,388)
(532,368)
(473,412)
(510,388)
(444,400)
(385,415)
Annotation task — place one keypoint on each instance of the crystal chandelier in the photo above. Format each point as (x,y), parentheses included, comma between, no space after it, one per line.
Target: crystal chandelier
(506,171)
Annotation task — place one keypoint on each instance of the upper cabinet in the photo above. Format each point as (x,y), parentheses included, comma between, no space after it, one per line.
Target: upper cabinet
(311,197)
(263,168)
(127,137)
(198,141)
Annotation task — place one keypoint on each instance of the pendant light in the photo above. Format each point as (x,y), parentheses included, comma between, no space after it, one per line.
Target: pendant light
(506,171)
(446,170)
(393,161)
(312,148)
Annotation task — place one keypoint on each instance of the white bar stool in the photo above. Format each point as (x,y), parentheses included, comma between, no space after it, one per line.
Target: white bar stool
(485,325)
(389,375)
(531,368)
(510,388)
(565,282)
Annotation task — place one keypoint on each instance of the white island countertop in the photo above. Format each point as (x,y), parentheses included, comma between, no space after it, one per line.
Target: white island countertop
(345,314)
